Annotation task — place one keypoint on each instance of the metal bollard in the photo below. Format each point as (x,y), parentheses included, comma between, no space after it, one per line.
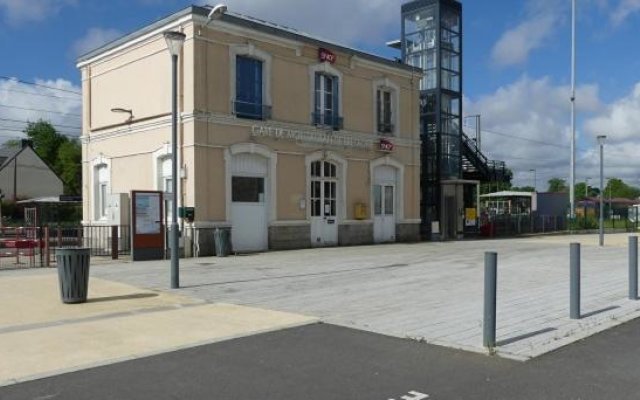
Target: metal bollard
(574,304)
(490,281)
(633,267)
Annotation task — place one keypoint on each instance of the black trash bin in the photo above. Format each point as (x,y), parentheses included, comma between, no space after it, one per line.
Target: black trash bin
(222,239)
(73,273)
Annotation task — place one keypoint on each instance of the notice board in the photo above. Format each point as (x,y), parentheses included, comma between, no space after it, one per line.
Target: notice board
(147,225)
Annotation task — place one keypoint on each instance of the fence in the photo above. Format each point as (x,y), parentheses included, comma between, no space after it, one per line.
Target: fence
(614,218)
(519,224)
(35,246)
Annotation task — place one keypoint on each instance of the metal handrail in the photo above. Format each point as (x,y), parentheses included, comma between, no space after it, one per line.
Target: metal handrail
(251,110)
(327,119)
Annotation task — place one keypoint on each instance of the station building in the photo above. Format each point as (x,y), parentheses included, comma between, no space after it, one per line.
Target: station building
(287,140)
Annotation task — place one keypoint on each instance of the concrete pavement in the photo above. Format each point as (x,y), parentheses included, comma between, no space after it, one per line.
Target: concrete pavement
(326,362)
(431,292)
(40,336)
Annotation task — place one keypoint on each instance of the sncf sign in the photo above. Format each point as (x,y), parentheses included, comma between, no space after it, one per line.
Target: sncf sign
(326,55)
(385,145)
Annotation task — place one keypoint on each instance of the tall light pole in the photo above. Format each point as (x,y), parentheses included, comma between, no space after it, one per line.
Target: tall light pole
(572,178)
(175,40)
(535,179)
(601,140)
(586,186)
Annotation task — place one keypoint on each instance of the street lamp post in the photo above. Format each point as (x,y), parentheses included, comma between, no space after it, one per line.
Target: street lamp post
(601,140)
(175,40)
(535,179)
(572,178)
(586,187)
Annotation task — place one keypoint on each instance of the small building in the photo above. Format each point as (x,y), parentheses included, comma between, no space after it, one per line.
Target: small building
(24,175)
(289,140)
(508,203)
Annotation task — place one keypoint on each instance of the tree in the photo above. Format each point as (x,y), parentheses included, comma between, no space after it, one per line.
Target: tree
(616,188)
(557,185)
(68,166)
(581,194)
(46,140)
(63,155)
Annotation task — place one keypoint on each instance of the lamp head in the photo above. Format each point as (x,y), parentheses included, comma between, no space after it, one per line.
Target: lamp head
(123,110)
(602,139)
(217,11)
(175,40)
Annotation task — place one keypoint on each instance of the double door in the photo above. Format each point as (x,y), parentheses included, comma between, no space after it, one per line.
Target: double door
(323,202)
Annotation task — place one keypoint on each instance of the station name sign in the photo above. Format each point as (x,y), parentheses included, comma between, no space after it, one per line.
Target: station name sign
(331,139)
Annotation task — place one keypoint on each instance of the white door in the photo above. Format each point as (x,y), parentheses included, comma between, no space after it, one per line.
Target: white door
(323,201)
(249,203)
(384,204)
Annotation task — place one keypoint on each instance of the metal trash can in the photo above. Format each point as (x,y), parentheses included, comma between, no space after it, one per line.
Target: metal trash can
(222,240)
(73,273)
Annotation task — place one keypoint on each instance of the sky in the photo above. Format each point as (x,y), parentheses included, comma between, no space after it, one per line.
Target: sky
(517,59)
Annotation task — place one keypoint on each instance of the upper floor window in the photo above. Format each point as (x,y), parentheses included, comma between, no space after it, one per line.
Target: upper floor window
(326,101)
(384,110)
(249,101)
(386,98)
(250,81)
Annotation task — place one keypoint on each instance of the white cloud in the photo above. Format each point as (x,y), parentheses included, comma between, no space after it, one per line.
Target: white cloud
(515,44)
(94,38)
(17,11)
(537,111)
(542,18)
(370,22)
(620,121)
(624,9)
(22,102)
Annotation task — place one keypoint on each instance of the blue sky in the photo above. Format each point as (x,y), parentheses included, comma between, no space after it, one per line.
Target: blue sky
(516,66)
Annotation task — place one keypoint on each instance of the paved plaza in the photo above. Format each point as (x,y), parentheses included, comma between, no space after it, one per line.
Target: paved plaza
(430,292)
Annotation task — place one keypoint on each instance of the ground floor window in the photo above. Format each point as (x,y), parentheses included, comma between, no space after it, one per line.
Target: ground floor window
(247,189)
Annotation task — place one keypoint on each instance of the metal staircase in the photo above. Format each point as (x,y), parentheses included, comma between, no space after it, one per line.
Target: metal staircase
(476,166)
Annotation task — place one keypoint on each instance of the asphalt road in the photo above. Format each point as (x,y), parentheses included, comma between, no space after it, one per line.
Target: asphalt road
(328,362)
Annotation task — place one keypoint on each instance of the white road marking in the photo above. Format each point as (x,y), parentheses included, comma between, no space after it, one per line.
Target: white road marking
(413,395)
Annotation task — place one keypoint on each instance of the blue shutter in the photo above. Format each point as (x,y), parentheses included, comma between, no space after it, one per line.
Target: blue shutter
(316,96)
(248,102)
(335,122)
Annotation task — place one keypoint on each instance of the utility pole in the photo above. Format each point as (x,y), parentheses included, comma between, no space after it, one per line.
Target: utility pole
(572,178)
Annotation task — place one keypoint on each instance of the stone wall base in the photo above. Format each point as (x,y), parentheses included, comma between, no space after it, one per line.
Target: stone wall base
(289,237)
(355,234)
(408,233)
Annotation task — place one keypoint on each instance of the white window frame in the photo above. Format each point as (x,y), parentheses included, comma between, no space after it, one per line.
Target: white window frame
(160,156)
(324,90)
(326,69)
(250,50)
(399,185)
(387,85)
(99,204)
(341,164)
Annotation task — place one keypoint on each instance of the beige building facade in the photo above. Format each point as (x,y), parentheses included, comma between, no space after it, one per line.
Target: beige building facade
(284,139)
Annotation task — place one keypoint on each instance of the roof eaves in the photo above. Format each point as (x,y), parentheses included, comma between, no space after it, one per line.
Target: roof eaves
(252,23)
